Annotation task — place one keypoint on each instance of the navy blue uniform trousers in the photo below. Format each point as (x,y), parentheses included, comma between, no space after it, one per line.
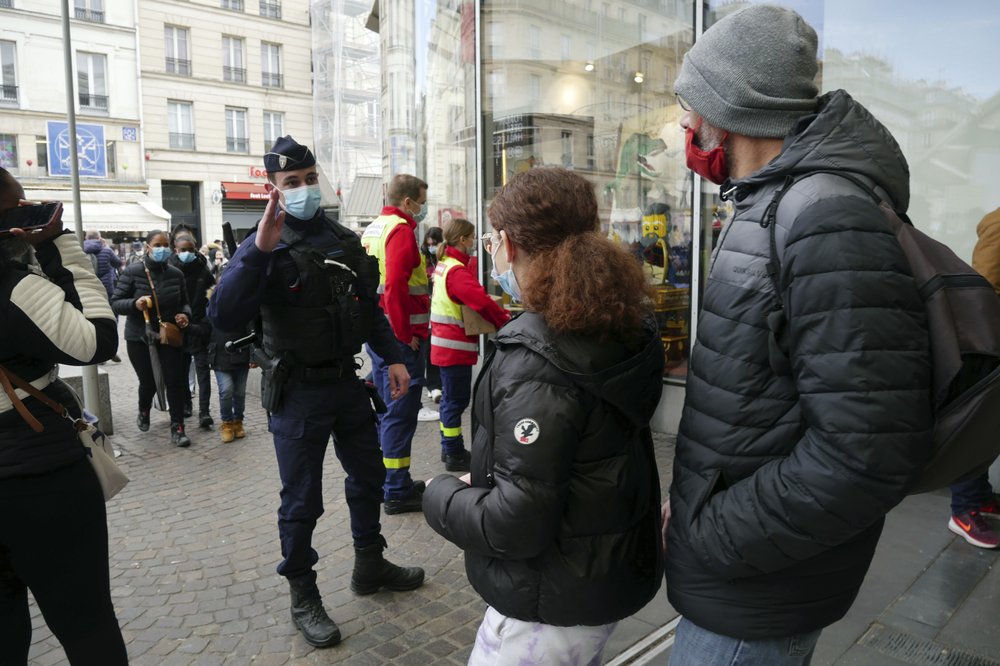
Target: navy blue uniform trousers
(398,425)
(309,413)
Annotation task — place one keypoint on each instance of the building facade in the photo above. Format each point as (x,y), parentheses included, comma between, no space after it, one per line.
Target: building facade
(221,80)
(34,138)
(476,92)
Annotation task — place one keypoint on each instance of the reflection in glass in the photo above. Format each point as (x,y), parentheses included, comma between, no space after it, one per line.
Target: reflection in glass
(588,86)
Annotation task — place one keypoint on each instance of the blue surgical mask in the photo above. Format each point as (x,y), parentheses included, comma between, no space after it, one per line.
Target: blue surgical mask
(303,202)
(159,254)
(419,217)
(433,249)
(186,257)
(507,280)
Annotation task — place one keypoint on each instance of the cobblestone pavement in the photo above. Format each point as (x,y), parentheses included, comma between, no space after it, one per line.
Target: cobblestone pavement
(194,545)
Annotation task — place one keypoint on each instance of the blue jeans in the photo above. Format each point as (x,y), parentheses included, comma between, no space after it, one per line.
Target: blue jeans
(397,426)
(232,393)
(970,495)
(695,646)
(456,393)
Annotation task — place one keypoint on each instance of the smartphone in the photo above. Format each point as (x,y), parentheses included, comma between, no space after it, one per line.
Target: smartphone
(31,217)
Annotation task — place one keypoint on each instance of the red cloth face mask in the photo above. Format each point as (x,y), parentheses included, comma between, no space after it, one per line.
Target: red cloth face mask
(710,164)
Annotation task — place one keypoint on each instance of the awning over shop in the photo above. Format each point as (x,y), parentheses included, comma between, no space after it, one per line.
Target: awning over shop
(253,191)
(111,211)
(365,201)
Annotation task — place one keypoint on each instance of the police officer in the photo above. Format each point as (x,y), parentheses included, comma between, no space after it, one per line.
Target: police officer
(315,291)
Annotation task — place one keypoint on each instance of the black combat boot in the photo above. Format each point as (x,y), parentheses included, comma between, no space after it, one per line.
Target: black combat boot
(308,614)
(457,462)
(412,502)
(177,435)
(143,421)
(372,571)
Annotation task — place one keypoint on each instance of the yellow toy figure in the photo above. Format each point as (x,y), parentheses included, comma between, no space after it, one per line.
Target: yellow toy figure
(655,224)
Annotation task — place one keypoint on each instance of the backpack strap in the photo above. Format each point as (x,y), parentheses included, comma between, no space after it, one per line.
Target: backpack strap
(777,320)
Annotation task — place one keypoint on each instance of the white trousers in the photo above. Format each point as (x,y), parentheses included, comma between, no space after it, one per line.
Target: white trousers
(504,641)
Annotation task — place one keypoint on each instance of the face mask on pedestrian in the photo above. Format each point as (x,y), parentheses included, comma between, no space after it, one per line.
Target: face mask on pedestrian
(507,280)
(710,164)
(421,213)
(159,254)
(302,202)
(186,257)
(433,249)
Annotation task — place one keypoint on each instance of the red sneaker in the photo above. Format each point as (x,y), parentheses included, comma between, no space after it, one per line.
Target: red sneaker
(973,528)
(991,509)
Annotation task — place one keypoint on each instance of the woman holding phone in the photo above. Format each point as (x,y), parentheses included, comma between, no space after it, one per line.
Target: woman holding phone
(53,525)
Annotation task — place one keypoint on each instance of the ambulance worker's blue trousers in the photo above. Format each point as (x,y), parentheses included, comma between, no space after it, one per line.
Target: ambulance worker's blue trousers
(398,424)
(309,413)
(456,393)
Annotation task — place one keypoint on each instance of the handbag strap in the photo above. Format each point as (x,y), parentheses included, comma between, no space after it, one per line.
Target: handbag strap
(156,301)
(9,380)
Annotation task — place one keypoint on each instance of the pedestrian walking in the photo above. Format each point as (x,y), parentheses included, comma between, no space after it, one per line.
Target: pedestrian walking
(232,368)
(452,350)
(560,525)
(105,261)
(973,501)
(53,526)
(315,292)
(808,410)
(405,298)
(198,279)
(156,289)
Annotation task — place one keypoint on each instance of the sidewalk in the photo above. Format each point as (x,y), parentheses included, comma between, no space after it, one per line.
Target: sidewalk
(194,545)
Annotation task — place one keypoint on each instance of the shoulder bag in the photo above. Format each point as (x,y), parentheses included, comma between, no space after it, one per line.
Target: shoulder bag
(99,451)
(170,333)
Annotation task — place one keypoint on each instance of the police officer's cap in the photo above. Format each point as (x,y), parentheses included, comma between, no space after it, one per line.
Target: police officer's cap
(287,154)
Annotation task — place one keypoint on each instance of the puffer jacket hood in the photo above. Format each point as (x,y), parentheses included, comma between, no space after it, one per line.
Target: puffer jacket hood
(783,476)
(843,136)
(92,246)
(627,378)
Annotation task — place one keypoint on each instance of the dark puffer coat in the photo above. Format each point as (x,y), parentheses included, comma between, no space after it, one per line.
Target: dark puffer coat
(198,279)
(781,483)
(133,284)
(561,523)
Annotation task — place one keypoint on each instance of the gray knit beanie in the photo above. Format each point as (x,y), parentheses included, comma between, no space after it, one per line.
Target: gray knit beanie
(752,73)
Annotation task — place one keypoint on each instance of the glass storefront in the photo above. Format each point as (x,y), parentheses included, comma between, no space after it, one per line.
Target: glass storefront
(475,93)
(587,85)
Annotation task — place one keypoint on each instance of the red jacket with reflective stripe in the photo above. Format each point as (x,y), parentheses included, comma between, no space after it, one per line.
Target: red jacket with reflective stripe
(463,288)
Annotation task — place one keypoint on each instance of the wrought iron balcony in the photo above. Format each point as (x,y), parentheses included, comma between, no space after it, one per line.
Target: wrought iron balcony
(8,94)
(182,141)
(270,80)
(270,9)
(92,15)
(235,5)
(179,66)
(89,101)
(234,145)
(6,4)
(234,74)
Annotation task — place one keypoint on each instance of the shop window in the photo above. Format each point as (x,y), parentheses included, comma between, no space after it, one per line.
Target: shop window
(611,115)
(8,151)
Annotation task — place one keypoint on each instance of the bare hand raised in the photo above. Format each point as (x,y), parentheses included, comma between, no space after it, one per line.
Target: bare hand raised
(269,229)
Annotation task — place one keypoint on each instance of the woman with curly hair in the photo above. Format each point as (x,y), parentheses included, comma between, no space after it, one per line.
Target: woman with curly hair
(560,520)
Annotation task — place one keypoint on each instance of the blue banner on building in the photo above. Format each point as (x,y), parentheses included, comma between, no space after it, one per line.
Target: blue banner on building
(90,148)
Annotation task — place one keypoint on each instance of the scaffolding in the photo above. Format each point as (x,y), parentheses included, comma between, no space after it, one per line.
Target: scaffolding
(346,89)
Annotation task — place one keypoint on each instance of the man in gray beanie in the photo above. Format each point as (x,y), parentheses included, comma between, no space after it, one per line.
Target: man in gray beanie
(808,403)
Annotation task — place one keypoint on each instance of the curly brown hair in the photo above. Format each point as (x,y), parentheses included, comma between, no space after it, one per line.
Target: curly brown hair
(578,280)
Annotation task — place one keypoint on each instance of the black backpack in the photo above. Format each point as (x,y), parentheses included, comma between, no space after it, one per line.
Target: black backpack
(963,316)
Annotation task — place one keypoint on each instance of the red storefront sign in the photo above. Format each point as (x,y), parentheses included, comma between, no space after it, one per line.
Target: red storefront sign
(254,191)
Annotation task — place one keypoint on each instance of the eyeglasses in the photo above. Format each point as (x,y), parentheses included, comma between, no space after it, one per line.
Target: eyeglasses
(684,105)
(487,240)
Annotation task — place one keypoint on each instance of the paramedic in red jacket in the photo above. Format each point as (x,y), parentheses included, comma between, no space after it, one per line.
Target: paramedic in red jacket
(452,350)
(405,298)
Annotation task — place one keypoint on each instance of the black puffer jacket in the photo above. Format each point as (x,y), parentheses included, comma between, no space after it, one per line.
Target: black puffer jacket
(781,483)
(561,523)
(133,284)
(198,279)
